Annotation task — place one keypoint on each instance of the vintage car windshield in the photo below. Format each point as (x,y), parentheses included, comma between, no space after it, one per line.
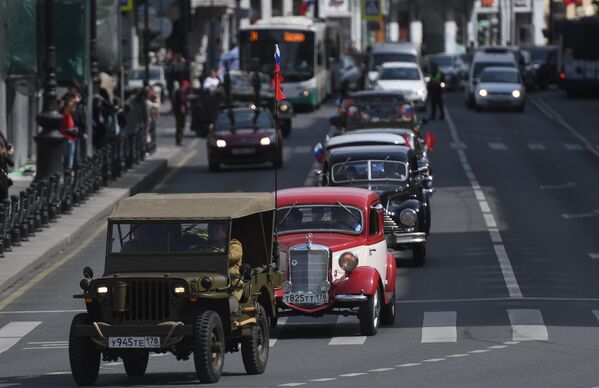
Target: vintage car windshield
(320,218)
(373,113)
(370,170)
(175,237)
(243,119)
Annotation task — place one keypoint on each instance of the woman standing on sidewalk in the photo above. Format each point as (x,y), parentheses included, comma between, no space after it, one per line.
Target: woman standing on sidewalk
(69,131)
(6,152)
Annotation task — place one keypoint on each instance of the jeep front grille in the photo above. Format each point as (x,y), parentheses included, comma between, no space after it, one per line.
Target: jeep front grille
(147,300)
(308,268)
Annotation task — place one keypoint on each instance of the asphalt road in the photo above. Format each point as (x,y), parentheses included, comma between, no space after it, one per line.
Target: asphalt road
(508,296)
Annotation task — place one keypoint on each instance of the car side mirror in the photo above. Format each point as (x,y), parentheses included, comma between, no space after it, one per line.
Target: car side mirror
(246,271)
(378,208)
(88,273)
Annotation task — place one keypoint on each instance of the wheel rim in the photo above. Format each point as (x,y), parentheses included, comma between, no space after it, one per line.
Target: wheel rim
(375,307)
(216,349)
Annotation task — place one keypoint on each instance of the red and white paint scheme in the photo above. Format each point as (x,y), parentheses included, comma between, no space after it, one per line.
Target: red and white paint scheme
(334,255)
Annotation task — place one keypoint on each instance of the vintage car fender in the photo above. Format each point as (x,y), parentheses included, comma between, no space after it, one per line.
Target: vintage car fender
(361,281)
(391,277)
(415,204)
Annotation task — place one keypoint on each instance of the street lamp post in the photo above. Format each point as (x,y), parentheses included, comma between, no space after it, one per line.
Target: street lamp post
(50,143)
(146,45)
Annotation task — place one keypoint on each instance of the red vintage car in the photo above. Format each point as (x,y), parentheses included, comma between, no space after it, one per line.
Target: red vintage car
(334,254)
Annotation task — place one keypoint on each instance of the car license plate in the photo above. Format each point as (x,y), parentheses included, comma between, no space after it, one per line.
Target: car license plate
(313,298)
(243,151)
(134,342)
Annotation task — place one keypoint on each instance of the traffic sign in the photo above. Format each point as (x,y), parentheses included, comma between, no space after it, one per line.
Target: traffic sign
(371,9)
(126,5)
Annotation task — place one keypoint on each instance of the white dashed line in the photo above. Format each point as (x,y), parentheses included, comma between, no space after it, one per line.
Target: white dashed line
(590,214)
(596,313)
(113,364)
(495,236)
(439,326)
(479,351)
(484,207)
(557,187)
(458,355)
(409,364)
(434,360)
(381,370)
(497,146)
(57,373)
(497,347)
(536,146)
(511,342)
(292,384)
(508,273)
(323,379)
(490,220)
(573,147)
(594,256)
(352,374)
(356,340)
(272,342)
(527,325)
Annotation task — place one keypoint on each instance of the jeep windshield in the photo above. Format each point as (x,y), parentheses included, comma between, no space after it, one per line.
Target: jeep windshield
(369,170)
(320,218)
(133,238)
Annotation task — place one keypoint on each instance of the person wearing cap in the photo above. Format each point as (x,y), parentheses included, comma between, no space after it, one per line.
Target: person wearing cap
(180,108)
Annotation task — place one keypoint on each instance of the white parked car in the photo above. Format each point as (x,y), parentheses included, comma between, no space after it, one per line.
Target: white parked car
(157,81)
(502,87)
(406,78)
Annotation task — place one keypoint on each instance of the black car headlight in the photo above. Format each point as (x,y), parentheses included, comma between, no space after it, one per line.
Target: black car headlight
(284,107)
(408,217)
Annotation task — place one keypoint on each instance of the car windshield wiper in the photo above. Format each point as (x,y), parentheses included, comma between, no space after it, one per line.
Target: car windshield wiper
(349,211)
(286,214)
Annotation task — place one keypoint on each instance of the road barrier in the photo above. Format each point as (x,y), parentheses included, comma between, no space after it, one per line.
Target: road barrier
(42,203)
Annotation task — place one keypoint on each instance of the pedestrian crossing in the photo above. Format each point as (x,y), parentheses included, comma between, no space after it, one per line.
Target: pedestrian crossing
(507,326)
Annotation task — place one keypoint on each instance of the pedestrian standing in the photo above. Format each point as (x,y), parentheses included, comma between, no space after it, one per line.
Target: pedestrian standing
(69,130)
(180,108)
(211,82)
(136,121)
(6,161)
(435,91)
(153,104)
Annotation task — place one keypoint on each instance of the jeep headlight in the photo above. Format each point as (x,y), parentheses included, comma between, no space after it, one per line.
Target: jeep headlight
(220,143)
(284,107)
(178,289)
(408,217)
(101,290)
(348,261)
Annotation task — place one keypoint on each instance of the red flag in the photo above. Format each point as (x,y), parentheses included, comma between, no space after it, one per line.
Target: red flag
(430,140)
(279,96)
(406,138)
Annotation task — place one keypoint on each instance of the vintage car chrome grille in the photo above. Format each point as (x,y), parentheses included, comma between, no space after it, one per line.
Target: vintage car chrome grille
(308,267)
(147,300)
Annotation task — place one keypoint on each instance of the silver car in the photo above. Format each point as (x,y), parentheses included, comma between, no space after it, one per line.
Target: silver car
(500,87)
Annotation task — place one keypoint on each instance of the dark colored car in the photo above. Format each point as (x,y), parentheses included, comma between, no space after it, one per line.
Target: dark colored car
(392,172)
(544,60)
(187,274)
(244,135)
(452,67)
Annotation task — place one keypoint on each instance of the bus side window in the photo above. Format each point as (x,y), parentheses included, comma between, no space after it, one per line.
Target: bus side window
(319,54)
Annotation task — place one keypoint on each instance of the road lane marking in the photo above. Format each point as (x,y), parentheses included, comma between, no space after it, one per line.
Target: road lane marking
(408,365)
(477,300)
(434,360)
(504,262)
(484,207)
(352,374)
(495,235)
(557,187)
(527,325)
(12,332)
(573,146)
(41,311)
(457,355)
(291,384)
(57,373)
(381,370)
(596,312)
(497,347)
(594,256)
(46,347)
(497,146)
(439,326)
(356,340)
(305,149)
(323,379)
(478,351)
(272,342)
(590,214)
(536,146)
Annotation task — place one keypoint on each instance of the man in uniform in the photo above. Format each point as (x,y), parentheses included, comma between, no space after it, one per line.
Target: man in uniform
(435,91)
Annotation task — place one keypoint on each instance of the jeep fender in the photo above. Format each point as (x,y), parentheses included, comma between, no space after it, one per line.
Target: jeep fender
(362,280)
(391,277)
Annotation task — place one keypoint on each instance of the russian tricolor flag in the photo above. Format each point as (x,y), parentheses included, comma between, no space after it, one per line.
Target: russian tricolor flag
(279,96)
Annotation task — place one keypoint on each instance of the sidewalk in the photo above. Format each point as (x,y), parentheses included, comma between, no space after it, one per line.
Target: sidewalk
(46,244)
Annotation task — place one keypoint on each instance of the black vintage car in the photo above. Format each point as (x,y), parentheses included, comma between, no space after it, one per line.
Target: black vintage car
(392,172)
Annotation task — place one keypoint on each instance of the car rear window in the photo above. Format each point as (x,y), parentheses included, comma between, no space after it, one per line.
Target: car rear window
(480,66)
(500,76)
(399,73)
(238,119)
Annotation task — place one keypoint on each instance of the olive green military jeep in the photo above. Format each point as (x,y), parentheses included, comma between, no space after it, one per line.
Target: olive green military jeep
(176,280)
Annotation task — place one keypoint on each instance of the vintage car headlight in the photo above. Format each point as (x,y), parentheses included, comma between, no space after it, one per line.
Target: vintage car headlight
(284,107)
(306,93)
(265,141)
(516,94)
(325,285)
(483,93)
(206,283)
(408,217)
(287,286)
(220,143)
(179,289)
(101,290)
(348,261)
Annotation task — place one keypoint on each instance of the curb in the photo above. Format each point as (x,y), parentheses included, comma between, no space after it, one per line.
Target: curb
(140,178)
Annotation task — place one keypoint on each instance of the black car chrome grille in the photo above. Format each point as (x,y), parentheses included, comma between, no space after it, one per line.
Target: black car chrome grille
(308,268)
(147,300)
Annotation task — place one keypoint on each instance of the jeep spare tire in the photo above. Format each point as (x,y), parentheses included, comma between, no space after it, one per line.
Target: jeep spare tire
(255,347)
(84,356)
(208,347)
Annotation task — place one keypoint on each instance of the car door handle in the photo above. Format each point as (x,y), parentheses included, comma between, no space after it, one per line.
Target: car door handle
(372,250)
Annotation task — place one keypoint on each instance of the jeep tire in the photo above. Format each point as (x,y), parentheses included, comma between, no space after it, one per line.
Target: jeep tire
(208,347)
(84,356)
(418,254)
(136,362)
(254,348)
(369,314)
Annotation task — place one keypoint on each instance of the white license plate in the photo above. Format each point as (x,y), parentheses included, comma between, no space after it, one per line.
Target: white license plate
(134,342)
(312,298)
(243,151)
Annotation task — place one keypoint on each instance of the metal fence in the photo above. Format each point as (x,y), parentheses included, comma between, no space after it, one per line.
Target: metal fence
(43,202)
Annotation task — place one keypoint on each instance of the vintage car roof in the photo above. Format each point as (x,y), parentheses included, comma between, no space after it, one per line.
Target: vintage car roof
(365,138)
(372,93)
(326,195)
(378,152)
(149,206)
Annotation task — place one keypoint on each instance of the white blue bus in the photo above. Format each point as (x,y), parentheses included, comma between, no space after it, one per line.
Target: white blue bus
(579,55)
(309,55)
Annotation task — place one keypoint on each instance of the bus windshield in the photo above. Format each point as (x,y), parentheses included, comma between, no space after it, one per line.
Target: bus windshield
(297,52)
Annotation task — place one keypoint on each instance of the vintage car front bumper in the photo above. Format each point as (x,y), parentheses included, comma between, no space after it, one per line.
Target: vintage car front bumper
(408,238)
(351,298)
(101,331)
